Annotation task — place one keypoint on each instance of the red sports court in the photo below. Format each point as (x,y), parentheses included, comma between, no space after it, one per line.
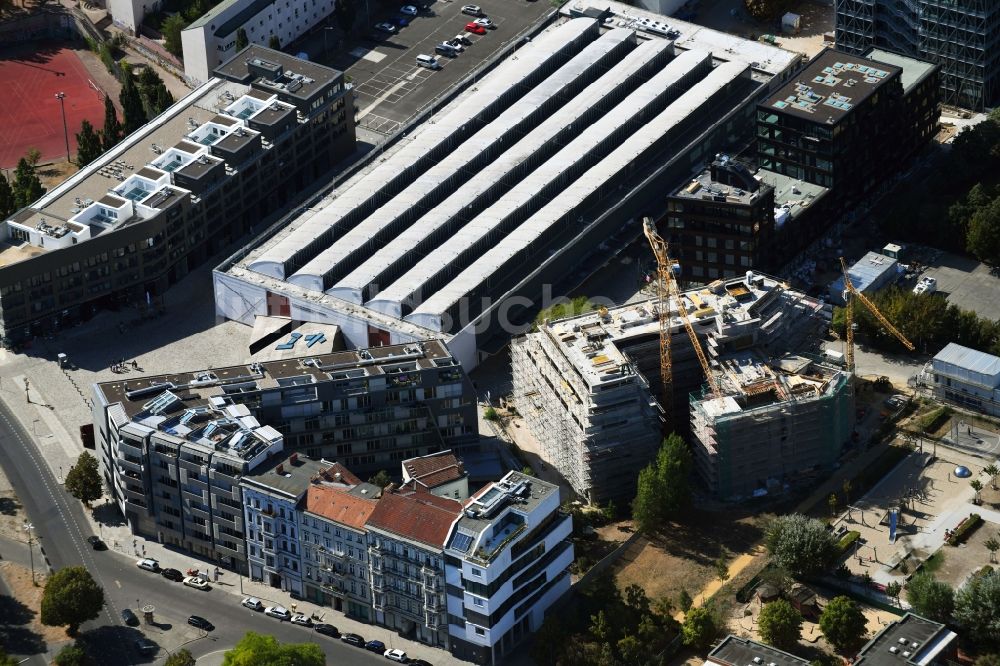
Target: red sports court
(31,115)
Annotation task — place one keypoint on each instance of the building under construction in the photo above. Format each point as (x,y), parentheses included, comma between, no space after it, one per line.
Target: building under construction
(588,388)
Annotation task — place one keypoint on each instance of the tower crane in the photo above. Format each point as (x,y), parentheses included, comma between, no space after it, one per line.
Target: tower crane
(666,288)
(851,294)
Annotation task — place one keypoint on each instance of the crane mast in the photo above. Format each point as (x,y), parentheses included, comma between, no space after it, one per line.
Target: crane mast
(849,297)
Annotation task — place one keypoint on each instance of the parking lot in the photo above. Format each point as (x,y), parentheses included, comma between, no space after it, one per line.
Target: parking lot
(389,85)
(967,283)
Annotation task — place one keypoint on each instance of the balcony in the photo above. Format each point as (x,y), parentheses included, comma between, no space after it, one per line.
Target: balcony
(126,464)
(195,510)
(198,484)
(435,602)
(378,585)
(223,477)
(236,524)
(201,497)
(237,551)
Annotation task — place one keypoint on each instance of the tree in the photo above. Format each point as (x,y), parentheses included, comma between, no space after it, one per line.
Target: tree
(977,609)
(83,481)
(8,205)
(163,100)
(699,628)
(88,144)
(992,471)
(831,501)
(684,600)
(780,624)
(132,109)
(601,628)
(258,650)
(990,659)
(664,486)
(983,235)
(346,13)
(171,30)
(33,156)
(381,479)
(893,590)
(71,597)
(801,545)
(842,623)
(274,43)
(932,599)
(182,657)
(548,642)
(993,546)
(977,486)
(27,187)
(241,39)
(112,132)
(73,655)
(6,660)
(722,568)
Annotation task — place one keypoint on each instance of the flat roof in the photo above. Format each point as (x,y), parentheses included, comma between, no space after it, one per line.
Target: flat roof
(701,187)
(910,640)
(309,76)
(290,474)
(737,651)
(832,85)
(866,271)
(981,363)
(791,195)
(914,70)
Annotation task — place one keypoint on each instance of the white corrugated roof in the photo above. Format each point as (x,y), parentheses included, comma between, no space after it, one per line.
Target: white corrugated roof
(487,223)
(528,109)
(969,359)
(429,313)
(400,249)
(490,90)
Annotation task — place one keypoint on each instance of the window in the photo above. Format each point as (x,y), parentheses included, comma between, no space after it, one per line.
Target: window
(480,631)
(477,601)
(477,572)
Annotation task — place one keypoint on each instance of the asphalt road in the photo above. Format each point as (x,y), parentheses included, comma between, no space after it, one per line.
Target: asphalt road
(62,529)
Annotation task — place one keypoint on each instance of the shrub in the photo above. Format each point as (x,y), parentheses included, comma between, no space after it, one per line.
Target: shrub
(965,529)
(934,419)
(846,542)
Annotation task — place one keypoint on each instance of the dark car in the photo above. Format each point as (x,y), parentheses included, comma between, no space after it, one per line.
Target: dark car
(353,639)
(327,630)
(200,622)
(96,543)
(419,662)
(172,574)
(146,646)
(129,618)
(375,646)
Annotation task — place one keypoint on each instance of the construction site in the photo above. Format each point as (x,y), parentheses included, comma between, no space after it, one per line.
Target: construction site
(760,412)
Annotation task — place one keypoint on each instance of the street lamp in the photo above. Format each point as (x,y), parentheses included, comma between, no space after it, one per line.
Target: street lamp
(61,96)
(28,527)
(326,48)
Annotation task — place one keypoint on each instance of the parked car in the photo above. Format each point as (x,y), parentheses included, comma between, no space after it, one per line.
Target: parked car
(196,582)
(386,27)
(446,49)
(419,662)
(926,285)
(375,646)
(201,623)
(353,639)
(149,564)
(253,603)
(472,10)
(409,10)
(302,620)
(96,543)
(475,28)
(396,655)
(172,574)
(130,618)
(327,630)
(486,23)
(146,646)
(279,612)
(463,38)
(456,44)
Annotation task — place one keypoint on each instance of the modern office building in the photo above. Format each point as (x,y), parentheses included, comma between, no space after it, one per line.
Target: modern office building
(967,378)
(962,37)
(508,560)
(589,386)
(847,122)
(407,532)
(271,497)
(211,40)
(332,517)
(606,109)
(911,641)
(212,167)
(440,474)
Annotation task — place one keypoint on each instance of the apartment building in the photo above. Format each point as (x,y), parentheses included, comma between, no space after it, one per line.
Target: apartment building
(966,377)
(440,474)
(508,559)
(332,517)
(215,165)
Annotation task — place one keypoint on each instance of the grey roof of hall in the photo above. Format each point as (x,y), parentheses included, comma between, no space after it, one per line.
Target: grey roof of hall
(831,77)
(635,105)
(737,651)
(969,359)
(193,392)
(914,70)
(594,56)
(507,76)
(400,248)
(294,479)
(866,270)
(930,638)
(430,311)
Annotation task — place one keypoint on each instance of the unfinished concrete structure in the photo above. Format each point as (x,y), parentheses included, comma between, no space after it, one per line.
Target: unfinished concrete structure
(588,386)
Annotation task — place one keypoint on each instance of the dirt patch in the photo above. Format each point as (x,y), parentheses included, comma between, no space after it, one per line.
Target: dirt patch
(12,515)
(55,173)
(961,562)
(28,600)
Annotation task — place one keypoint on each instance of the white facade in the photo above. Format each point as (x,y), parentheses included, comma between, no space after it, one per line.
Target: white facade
(968,378)
(129,14)
(211,40)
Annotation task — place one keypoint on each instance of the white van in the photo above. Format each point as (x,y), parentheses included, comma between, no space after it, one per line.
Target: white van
(428,61)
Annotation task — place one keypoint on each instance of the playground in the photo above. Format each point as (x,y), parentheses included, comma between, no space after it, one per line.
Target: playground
(31,75)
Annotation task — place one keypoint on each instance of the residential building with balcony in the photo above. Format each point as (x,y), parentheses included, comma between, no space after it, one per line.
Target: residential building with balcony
(331,518)
(407,532)
(271,496)
(224,160)
(508,560)
(173,462)
(440,474)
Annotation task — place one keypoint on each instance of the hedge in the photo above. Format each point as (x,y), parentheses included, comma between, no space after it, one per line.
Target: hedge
(965,529)
(933,420)
(846,542)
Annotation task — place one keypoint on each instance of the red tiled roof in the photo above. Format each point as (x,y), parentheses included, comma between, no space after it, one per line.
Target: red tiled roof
(416,515)
(339,506)
(346,476)
(435,470)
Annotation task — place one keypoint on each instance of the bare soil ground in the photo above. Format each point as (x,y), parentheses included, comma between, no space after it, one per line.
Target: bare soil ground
(21,609)
(53,174)
(961,562)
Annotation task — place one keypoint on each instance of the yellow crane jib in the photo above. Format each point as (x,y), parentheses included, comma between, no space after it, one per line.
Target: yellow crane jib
(850,293)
